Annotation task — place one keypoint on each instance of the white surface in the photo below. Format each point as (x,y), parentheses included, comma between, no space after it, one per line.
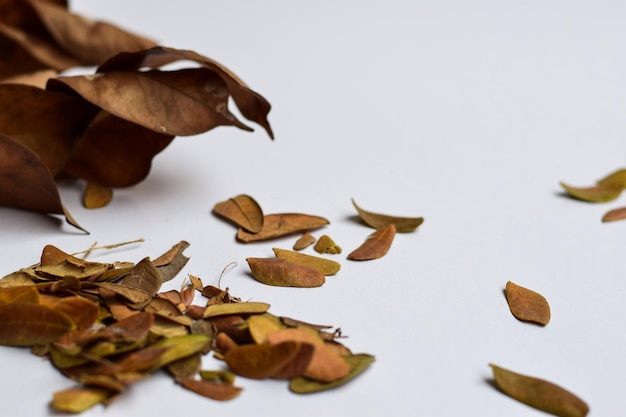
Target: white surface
(466,113)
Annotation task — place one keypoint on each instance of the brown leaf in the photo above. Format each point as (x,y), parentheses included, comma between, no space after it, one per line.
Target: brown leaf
(378,221)
(261,361)
(37,78)
(358,363)
(97,196)
(214,390)
(614,215)
(306,240)
(280,272)
(144,276)
(600,193)
(242,210)
(82,311)
(171,262)
(326,245)
(250,307)
(28,324)
(26,182)
(527,305)
(19,294)
(376,245)
(277,225)
(325,266)
(540,394)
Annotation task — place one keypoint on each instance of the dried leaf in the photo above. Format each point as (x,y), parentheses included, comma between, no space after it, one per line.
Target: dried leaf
(326,245)
(306,240)
(378,221)
(615,178)
(20,166)
(358,363)
(251,307)
(538,393)
(144,276)
(97,196)
(614,215)
(527,305)
(325,266)
(600,193)
(179,347)
(376,245)
(171,262)
(277,225)
(21,294)
(29,324)
(279,272)
(83,312)
(260,325)
(186,367)
(37,78)
(261,361)
(242,210)
(77,400)
(223,376)
(220,391)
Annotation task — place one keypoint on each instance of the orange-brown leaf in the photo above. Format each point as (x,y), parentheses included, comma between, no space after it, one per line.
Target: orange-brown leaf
(242,210)
(29,324)
(377,221)
(220,391)
(97,196)
(280,272)
(261,361)
(277,225)
(614,215)
(19,294)
(527,305)
(376,245)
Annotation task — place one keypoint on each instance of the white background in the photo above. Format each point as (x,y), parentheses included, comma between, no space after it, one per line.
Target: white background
(466,113)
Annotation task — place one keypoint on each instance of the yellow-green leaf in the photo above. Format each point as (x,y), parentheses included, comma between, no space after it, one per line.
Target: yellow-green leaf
(77,400)
(358,364)
(538,393)
(235,308)
(600,193)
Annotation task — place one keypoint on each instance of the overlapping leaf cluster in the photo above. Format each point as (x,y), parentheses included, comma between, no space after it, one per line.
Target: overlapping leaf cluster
(107,325)
(293,269)
(103,128)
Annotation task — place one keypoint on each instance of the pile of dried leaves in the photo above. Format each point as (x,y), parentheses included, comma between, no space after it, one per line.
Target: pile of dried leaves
(605,190)
(103,128)
(289,268)
(106,326)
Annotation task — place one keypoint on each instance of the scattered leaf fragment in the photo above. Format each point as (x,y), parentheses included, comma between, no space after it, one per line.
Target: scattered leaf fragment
(614,215)
(97,196)
(304,241)
(358,363)
(538,393)
(325,244)
(277,225)
(282,273)
(600,193)
(325,266)
(242,210)
(377,221)
(376,245)
(527,305)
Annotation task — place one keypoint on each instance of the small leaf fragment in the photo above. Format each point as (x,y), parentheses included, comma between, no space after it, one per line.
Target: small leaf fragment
(325,244)
(377,221)
(600,193)
(304,241)
(242,210)
(527,305)
(97,196)
(358,363)
(376,245)
(277,225)
(281,273)
(325,266)
(538,393)
(171,262)
(614,215)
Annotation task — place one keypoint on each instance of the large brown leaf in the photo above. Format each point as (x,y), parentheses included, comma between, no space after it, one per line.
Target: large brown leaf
(26,182)
(28,324)
(376,245)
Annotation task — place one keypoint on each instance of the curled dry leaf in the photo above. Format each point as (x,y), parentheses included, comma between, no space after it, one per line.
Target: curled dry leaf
(527,305)
(325,244)
(600,193)
(376,245)
(277,225)
(97,196)
(540,394)
(614,215)
(325,266)
(242,210)
(282,273)
(377,221)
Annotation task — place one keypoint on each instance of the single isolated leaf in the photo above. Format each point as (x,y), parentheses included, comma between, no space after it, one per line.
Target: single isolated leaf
(325,266)
(376,245)
(600,193)
(358,363)
(327,245)
(242,210)
(277,225)
(538,393)
(377,221)
(29,324)
(97,196)
(282,273)
(306,240)
(527,305)
(220,391)
(614,215)
(77,400)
